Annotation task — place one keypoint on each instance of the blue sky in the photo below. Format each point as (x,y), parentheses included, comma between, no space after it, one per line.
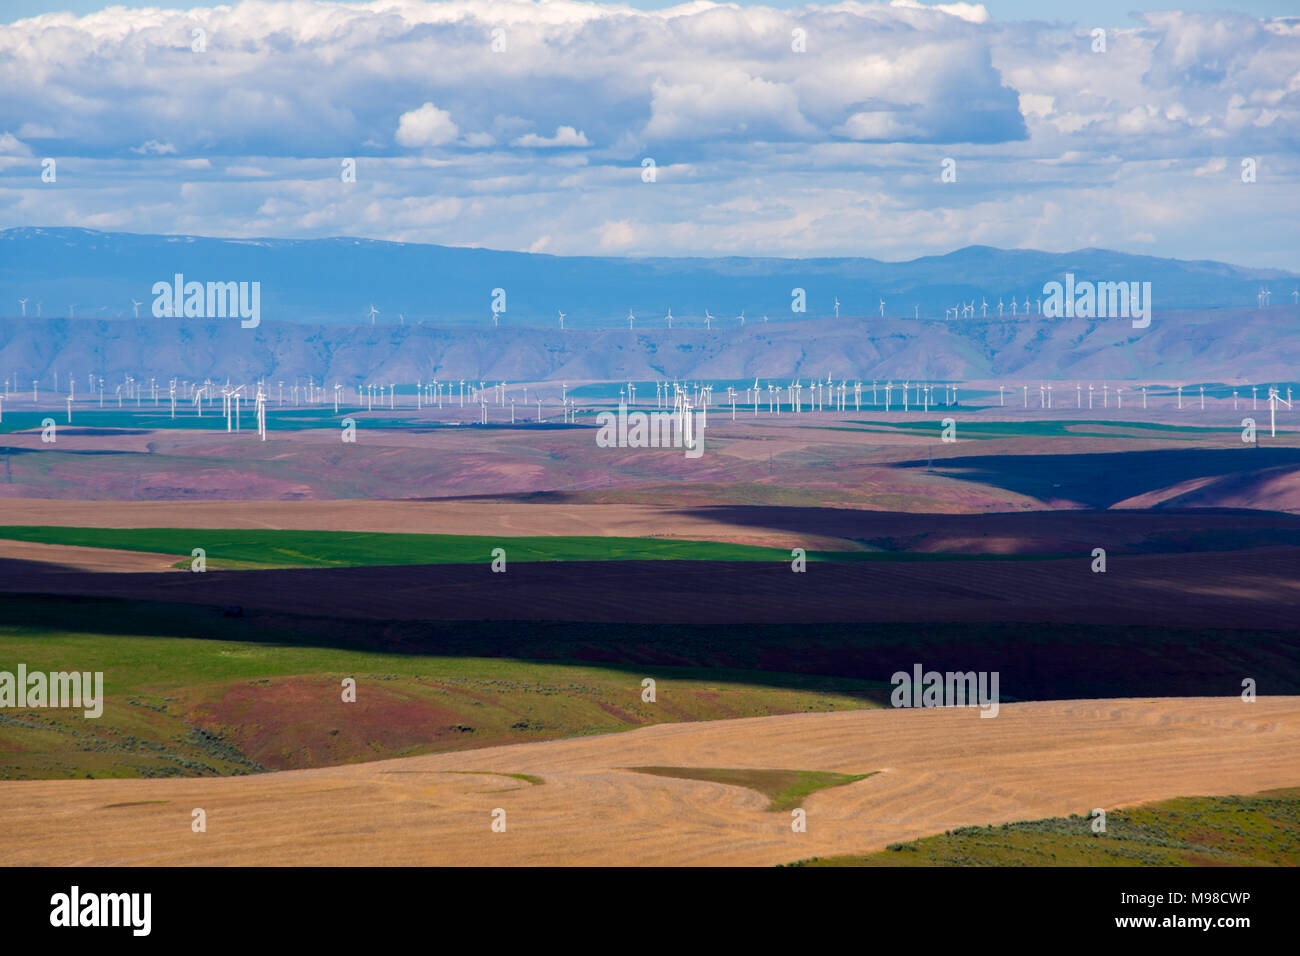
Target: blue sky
(838,148)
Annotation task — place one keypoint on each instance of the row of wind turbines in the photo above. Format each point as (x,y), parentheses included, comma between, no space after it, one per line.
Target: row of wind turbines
(776,396)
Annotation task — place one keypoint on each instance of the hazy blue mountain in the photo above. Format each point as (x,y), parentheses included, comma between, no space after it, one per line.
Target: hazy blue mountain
(334,281)
(1212,345)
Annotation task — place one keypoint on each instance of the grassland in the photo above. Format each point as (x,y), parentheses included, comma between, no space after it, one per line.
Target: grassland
(785,789)
(1258,830)
(188,707)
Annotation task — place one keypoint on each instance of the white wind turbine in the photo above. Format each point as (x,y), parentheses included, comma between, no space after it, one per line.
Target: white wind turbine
(372,313)
(1273,399)
(742,318)
(999,306)
(561,320)
(22,303)
(135,307)
(261,412)
(984,308)
(630,318)
(882,308)
(670,318)
(837,308)
(708,319)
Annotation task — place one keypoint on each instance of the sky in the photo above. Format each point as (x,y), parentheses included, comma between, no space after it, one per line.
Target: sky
(889,130)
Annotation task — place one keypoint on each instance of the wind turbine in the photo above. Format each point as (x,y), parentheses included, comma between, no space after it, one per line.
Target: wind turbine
(742,318)
(1273,399)
(999,306)
(984,308)
(630,318)
(882,308)
(23,305)
(261,412)
(708,319)
(372,313)
(670,318)
(837,308)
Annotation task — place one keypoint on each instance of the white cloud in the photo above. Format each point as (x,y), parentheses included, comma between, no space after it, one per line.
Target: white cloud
(759,149)
(426,126)
(564,136)
(154,148)
(11,145)
(973,12)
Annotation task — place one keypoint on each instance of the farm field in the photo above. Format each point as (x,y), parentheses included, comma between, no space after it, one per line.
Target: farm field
(327,561)
(574,802)
(1005,460)
(186,707)
(1256,830)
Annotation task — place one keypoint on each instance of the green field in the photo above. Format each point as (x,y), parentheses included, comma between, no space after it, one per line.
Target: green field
(232,549)
(785,789)
(1258,830)
(262,548)
(192,707)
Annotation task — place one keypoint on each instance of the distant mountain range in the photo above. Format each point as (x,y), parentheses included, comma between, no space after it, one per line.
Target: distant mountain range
(335,281)
(1222,345)
(1206,326)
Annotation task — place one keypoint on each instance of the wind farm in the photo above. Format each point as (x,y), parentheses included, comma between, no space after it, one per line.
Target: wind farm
(571,434)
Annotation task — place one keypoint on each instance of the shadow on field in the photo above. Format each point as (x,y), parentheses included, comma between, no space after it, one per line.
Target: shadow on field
(1102,480)
(1136,531)
(1034,661)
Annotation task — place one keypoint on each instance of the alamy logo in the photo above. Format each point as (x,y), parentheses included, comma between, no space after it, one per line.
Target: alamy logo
(57,689)
(676,429)
(215,300)
(103,909)
(1101,300)
(953,689)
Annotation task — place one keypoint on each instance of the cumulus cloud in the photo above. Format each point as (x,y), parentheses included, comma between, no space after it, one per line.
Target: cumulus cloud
(426,126)
(564,136)
(759,148)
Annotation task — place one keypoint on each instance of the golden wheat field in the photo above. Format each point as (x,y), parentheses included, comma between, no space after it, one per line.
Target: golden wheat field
(938,769)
